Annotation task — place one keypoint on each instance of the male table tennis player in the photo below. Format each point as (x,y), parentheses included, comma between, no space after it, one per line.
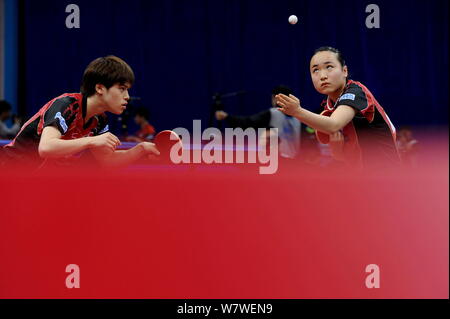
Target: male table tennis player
(76,122)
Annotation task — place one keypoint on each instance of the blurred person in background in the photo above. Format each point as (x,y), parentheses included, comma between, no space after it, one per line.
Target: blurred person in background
(146,131)
(289,128)
(5,113)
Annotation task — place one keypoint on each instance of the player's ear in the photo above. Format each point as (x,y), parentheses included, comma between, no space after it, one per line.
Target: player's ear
(345,70)
(100,89)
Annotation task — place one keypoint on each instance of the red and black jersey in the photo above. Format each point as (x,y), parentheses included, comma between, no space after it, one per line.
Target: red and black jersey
(370,137)
(67,113)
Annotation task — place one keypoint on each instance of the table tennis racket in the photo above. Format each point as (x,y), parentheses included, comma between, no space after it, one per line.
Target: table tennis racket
(164,142)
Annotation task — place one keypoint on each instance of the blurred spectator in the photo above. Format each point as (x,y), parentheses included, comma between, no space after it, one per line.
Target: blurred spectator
(407,146)
(289,128)
(146,132)
(5,113)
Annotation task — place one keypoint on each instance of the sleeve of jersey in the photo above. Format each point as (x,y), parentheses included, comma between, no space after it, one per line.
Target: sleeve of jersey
(61,114)
(355,97)
(102,126)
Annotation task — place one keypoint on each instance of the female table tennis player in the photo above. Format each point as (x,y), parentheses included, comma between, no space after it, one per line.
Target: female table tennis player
(353,123)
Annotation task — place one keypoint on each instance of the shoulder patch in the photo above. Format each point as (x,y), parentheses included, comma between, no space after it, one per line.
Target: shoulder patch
(347,96)
(62,121)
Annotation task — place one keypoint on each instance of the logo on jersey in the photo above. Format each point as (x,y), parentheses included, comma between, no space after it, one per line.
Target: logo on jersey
(106,129)
(62,121)
(348,96)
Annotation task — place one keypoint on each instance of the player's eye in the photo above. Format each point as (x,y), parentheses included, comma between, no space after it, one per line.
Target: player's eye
(315,70)
(329,67)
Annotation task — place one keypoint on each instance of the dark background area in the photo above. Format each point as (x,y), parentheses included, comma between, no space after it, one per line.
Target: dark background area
(183,51)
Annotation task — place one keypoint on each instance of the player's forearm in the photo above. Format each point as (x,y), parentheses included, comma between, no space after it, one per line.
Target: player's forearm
(55,147)
(319,122)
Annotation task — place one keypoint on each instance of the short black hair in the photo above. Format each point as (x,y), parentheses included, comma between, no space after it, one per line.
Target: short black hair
(108,71)
(4,106)
(281,89)
(141,111)
(339,55)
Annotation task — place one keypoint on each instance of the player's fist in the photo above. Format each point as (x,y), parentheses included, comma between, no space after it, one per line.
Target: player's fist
(337,138)
(221,115)
(108,141)
(337,145)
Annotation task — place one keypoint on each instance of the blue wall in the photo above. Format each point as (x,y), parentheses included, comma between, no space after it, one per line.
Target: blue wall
(11,53)
(182,51)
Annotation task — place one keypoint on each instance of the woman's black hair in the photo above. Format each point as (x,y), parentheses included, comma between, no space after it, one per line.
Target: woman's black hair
(339,55)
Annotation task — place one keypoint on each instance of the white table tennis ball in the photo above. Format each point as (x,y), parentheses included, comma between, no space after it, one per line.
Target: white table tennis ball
(293,19)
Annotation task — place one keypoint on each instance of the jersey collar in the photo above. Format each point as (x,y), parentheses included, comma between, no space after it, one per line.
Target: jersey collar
(84,110)
(331,105)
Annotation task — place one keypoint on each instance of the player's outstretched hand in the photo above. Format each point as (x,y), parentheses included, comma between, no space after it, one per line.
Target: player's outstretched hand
(108,141)
(289,105)
(149,149)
